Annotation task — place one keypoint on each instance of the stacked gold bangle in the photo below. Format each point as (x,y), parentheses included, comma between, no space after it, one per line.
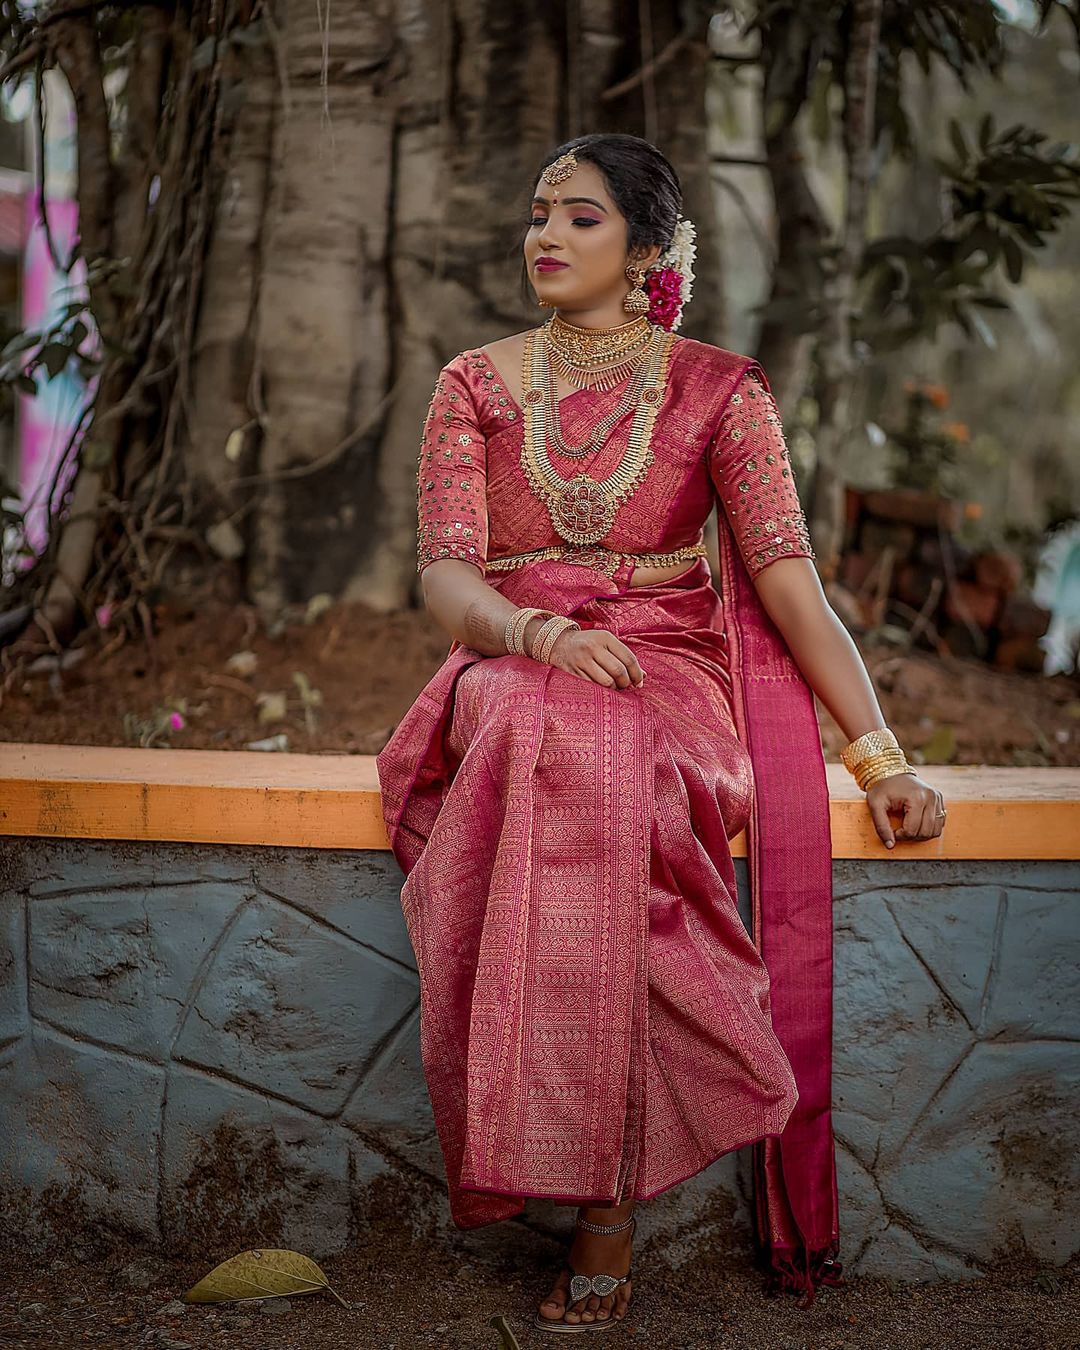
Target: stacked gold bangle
(548,634)
(514,633)
(873,756)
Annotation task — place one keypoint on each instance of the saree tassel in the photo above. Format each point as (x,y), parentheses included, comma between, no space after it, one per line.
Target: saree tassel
(805,1273)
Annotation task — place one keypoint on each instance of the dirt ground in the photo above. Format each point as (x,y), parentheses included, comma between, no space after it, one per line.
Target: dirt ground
(337,680)
(434,1291)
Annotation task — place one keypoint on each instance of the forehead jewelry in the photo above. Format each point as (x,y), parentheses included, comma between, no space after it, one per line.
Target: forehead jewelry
(559,170)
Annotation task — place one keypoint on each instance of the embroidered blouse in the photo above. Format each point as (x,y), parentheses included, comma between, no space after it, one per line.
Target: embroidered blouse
(718,436)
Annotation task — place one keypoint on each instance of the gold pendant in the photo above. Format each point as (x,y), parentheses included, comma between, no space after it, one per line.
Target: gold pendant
(583,513)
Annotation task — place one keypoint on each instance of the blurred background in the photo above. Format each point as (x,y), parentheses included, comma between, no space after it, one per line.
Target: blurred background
(237,243)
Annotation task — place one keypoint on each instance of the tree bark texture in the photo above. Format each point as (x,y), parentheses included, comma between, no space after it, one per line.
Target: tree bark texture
(369,227)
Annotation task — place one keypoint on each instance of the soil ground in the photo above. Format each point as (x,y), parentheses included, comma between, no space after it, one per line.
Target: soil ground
(409,1293)
(338,681)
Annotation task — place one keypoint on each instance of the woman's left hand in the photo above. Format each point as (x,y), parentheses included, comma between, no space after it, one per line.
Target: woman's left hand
(921,804)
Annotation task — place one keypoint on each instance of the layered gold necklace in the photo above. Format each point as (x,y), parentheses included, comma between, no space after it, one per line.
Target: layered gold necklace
(582,509)
(584,356)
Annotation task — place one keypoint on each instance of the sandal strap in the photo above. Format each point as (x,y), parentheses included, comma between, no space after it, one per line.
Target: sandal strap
(581,1286)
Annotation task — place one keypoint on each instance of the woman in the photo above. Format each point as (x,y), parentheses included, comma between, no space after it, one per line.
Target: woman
(596,1023)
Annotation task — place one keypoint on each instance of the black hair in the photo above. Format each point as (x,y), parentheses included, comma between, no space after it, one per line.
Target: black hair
(641,179)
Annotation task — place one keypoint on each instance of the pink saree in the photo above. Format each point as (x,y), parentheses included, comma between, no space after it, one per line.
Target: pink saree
(596,1022)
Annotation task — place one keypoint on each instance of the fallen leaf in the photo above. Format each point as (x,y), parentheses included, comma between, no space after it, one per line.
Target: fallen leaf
(508,1340)
(274,1272)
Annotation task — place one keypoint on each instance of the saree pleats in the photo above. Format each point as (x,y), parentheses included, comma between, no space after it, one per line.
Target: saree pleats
(595,1019)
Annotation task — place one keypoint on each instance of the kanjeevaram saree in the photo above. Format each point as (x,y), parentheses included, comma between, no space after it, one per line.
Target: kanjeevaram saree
(596,1022)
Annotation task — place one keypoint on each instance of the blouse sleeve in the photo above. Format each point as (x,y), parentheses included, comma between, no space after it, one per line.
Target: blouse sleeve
(754,480)
(451,485)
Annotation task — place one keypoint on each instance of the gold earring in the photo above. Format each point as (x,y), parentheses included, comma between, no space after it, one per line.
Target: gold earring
(636,301)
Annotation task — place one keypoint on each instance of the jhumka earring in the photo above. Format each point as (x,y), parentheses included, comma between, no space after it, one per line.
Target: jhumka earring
(636,301)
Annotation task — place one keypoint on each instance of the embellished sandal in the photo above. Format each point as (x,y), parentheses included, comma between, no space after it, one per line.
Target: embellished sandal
(582,1286)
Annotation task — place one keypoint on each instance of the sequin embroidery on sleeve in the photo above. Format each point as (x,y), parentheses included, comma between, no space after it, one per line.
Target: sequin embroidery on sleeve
(752,473)
(451,483)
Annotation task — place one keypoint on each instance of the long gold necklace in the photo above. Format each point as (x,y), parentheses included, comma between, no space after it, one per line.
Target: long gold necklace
(582,509)
(584,356)
(609,421)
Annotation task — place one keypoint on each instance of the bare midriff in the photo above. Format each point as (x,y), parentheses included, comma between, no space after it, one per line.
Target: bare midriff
(648,576)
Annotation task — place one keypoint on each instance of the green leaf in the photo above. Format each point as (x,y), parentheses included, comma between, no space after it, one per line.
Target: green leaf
(1014,258)
(21,342)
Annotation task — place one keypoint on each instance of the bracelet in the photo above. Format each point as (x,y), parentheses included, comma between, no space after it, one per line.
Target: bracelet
(514,633)
(874,755)
(547,636)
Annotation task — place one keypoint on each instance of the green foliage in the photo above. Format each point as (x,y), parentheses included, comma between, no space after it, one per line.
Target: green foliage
(51,350)
(925,451)
(1009,191)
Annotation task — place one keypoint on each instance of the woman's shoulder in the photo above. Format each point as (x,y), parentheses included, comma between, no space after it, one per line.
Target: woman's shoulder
(715,358)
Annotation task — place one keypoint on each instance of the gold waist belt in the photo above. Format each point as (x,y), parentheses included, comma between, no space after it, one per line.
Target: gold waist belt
(605,560)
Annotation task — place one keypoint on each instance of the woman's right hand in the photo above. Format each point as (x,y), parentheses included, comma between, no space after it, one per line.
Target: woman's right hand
(597,655)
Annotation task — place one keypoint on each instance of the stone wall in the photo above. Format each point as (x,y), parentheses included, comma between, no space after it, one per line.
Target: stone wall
(197,1039)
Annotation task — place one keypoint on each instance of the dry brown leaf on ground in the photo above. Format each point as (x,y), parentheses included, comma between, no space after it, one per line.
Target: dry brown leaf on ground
(261,1272)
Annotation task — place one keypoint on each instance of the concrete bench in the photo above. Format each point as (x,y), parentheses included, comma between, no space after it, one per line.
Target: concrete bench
(208,1009)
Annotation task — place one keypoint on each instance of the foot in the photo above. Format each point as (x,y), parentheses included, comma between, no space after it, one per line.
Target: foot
(594,1254)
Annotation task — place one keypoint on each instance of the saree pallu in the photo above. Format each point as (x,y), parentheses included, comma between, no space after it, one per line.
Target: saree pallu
(596,1022)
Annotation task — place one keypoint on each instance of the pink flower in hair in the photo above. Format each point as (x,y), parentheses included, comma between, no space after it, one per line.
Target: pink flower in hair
(664,288)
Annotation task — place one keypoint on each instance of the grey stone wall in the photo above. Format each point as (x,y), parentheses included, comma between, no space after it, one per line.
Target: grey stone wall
(197,1042)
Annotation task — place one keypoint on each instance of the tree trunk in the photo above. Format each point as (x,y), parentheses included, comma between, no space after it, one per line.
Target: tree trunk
(836,366)
(367,248)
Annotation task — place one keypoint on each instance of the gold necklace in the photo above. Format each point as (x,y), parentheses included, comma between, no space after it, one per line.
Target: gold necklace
(609,421)
(582,510)
(584,356)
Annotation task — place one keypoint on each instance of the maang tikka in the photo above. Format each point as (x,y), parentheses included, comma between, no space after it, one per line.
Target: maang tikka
(559,170)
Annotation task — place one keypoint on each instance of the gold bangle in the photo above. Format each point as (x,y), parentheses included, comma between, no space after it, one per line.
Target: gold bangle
(869,743)
(872,765)
(514,634)
(548,635)
(885,773)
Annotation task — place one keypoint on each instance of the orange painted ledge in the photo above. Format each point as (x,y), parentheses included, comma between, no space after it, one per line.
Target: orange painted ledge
(332,801)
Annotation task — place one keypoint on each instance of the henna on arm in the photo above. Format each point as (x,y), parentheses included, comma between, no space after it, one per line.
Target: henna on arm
(462,603)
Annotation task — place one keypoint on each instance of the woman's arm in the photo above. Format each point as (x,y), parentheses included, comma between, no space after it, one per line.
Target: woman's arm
(755,482)
(465,606)
(825,652)
(452,543)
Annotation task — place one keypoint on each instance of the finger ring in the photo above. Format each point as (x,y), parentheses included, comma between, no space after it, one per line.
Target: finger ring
(941,813)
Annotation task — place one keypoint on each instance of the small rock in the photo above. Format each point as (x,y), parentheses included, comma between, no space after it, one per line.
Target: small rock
(33,1309)
(138,1274)
(175,1308)
(277,1306)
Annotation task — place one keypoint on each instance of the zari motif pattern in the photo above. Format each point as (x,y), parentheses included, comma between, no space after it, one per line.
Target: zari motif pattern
(756,482)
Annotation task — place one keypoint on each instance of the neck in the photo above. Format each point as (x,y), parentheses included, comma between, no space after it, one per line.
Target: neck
(601,317)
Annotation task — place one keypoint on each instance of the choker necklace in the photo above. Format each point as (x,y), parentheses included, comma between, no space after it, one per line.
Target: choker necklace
(584,356)
(582,509)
